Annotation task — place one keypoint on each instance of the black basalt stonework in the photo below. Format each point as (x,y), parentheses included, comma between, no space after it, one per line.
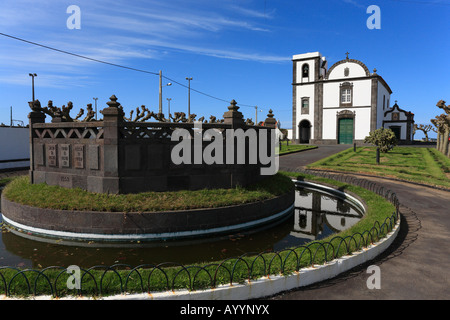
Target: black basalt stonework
(115,156)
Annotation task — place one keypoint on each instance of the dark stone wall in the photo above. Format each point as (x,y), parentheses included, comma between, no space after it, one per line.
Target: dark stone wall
(143,222)
(117,156)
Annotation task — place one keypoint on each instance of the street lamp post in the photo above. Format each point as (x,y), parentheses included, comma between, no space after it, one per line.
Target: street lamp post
(32,75)
(189,97)
(95,99)
(168,100)
(160,91)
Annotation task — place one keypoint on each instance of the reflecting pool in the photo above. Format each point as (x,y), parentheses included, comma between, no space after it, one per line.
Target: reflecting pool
(317,214)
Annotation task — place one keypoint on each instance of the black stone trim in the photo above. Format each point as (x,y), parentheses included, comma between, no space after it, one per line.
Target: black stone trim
(348,79)
(374,102)
(345,61)
(353,107)
(395,106)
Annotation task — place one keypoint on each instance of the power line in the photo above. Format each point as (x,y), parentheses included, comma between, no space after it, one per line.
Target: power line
(424,2)
(114,65)
(76,55)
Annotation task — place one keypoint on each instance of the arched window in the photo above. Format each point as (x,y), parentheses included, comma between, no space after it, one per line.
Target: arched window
(305,71)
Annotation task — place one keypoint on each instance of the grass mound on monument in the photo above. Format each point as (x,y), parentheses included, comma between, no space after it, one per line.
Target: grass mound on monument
(20,190)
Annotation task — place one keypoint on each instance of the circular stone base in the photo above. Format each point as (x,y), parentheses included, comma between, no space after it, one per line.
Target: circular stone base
(144,226)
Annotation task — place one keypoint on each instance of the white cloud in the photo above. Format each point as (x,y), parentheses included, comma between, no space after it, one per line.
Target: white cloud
(236,54)
(119,32)
(355,3)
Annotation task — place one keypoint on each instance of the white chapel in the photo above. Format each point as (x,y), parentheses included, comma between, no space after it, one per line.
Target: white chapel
(343,103)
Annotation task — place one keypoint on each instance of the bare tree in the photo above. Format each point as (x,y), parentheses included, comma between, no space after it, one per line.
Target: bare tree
(424,128)
(442,124)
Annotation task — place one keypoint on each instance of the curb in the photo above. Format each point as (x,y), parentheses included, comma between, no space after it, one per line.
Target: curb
(381,177)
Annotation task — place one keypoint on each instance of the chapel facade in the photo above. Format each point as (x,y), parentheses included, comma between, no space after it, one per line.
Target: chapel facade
(343,103)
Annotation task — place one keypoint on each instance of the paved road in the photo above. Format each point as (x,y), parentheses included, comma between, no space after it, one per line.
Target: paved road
(414,267)
(301,159)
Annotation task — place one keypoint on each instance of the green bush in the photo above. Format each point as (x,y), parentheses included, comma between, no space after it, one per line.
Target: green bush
(383,138)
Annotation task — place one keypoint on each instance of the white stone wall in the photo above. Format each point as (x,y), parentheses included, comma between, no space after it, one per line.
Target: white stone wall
(361,123)
(14,144)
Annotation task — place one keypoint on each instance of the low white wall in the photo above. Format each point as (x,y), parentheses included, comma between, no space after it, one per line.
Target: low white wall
(14,144)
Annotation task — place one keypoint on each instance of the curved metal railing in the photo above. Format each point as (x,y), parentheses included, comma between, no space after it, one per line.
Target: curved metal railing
(103,280)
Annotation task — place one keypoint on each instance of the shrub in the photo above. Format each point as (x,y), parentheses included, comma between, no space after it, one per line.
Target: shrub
(383,138)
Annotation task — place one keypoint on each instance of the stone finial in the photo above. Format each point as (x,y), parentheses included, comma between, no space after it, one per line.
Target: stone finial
(270,121)
(114,112)
(113,102)
(375,71)
(233,106)
(233,116)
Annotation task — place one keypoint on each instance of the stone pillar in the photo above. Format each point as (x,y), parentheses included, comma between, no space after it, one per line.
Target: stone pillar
(233,116)
(34,117)
(112,117)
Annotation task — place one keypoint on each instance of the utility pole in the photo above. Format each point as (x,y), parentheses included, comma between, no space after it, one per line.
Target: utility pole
(168,100)
(95,99)
(160,91)
(32,75)
(256,114)
(189,96)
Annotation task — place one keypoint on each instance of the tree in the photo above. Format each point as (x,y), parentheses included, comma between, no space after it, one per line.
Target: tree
(439,123)
(424,128)
(383,138)
(446,127)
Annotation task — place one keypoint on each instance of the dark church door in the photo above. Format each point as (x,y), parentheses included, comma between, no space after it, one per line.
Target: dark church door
(305,131)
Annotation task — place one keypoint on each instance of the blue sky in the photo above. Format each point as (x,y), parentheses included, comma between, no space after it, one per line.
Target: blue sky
(233,49)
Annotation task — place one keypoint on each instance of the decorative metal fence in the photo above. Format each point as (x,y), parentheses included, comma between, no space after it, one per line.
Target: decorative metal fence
(103,280)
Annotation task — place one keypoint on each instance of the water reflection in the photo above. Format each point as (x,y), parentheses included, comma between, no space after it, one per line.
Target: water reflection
(316,215)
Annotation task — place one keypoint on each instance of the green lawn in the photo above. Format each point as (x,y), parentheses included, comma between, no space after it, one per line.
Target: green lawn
(285,149)
(423,165)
